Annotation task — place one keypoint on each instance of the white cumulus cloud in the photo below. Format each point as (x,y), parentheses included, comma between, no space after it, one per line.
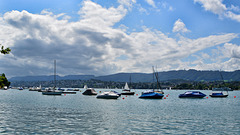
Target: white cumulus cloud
(179,26)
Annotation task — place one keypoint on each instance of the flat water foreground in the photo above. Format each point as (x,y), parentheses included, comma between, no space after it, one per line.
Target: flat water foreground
(29,112)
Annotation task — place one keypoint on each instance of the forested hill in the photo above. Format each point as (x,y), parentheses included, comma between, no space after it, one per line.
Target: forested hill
(191,75)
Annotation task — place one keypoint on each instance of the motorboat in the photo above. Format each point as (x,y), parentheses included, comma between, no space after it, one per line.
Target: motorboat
(218,94)
(108,95)
(89,91)
(150,94)
(192,94)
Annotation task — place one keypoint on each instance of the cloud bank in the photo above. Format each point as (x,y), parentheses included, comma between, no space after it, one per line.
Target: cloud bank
(93,45)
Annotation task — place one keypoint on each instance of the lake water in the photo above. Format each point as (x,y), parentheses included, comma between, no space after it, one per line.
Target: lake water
(29,112)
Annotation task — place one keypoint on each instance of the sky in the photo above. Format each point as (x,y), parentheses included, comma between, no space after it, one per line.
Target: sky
(102,37)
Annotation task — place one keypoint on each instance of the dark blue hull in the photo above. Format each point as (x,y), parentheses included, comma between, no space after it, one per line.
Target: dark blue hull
(152,95)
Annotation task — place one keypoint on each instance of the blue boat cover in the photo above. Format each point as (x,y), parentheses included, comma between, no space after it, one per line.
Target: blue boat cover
(217,94)
(151,95)
(192,94)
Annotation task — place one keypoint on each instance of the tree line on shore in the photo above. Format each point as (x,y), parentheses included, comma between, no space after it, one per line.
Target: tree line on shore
(93,83)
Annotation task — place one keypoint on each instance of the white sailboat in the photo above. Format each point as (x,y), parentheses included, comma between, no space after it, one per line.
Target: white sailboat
(126,86)
(85,86)
(127,90)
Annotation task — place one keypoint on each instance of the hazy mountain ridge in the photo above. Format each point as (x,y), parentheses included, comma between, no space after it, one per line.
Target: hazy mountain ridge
(191,75)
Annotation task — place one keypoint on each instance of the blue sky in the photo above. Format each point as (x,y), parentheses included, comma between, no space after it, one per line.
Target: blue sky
(103,37)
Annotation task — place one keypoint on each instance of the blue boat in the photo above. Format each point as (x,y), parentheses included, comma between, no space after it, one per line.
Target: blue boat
(192,94)
(151,95)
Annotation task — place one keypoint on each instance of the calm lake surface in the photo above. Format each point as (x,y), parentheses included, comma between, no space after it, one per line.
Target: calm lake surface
(29,112)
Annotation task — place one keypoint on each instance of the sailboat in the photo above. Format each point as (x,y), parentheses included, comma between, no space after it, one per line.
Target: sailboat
(85,86)
(127,90)
(218,92)
(53,91)
(153,94)
(158,83)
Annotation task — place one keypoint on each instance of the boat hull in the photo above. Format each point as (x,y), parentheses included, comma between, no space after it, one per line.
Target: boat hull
(128,93)
(69,92)
(108,97)
(220,95)
(52,93)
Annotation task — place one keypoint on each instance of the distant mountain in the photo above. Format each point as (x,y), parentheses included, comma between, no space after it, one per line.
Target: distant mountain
(51,78)
(191,75)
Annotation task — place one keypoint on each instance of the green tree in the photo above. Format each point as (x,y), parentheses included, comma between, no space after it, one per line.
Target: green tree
(3,79)
(5,51)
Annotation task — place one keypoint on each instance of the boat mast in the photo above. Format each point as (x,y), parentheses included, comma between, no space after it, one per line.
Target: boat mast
(54,74)
(153,78)
(130,82)
(158,83)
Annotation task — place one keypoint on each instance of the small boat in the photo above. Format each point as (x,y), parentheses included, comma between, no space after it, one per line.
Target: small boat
(150,94)
(192,94)
(218,94)
(20,88)
(89,91)
(127,90)
(5,88)
(52,92)
(85,87)
(35,88)
(108,95)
